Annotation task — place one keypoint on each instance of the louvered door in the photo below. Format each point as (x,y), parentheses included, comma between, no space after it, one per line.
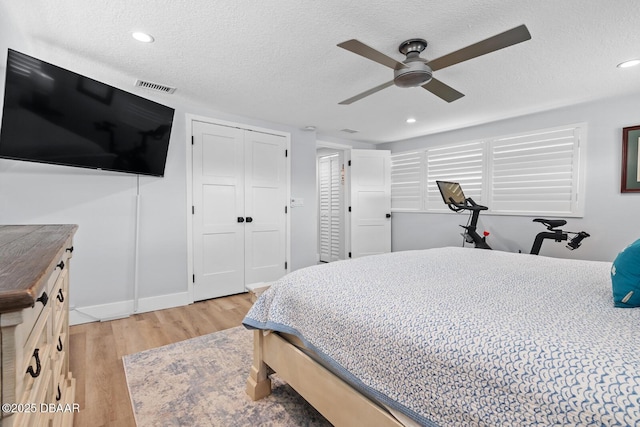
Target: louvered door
(330,212)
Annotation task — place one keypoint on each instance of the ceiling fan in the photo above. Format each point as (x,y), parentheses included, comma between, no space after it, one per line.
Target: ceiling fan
(416,71)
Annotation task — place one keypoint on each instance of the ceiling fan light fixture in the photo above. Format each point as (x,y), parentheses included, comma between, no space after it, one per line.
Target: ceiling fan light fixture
(416,71)
(630,63)
(416,74)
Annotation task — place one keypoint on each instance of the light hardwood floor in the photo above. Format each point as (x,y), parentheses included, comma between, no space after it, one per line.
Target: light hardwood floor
(96,351)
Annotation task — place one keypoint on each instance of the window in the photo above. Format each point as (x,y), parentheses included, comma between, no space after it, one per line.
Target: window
(537,173)
(464,163)
(406,181)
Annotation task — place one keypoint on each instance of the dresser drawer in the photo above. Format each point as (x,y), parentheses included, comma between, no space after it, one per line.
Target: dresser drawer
(33,398)
(67,394)
(59,360)
(59,302)
(36,359)
(46,299)
(31,316)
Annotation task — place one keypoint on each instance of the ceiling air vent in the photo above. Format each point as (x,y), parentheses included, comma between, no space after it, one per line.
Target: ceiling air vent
(155,86)
(348,130)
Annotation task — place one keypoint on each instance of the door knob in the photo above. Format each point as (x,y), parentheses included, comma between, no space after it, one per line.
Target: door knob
(249,219)
(388,215)
(240,219)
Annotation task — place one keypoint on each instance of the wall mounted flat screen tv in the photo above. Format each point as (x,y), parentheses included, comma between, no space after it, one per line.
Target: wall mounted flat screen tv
(53,115)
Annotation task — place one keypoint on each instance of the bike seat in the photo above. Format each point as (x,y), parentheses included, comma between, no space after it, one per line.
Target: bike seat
(551,223)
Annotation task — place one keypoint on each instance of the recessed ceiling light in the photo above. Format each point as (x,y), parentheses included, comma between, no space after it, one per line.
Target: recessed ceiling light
(411,120)
(142,37)
(629,63)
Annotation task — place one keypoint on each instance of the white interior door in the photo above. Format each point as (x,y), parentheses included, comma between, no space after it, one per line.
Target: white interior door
(266,207)
(370,202)
(240,192)
(218,199)
(324,203)
(336,209)
(330,203)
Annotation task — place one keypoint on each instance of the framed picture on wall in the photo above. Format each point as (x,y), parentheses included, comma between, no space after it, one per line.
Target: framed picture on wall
(630,159)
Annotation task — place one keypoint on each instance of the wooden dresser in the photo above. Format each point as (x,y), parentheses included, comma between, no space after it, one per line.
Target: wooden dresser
(37,388)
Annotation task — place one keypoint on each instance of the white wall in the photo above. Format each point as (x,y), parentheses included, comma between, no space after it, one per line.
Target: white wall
(610,216)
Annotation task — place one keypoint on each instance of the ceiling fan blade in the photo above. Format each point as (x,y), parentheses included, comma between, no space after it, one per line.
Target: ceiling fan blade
(362,49)
(366,93)
(442,91)
(508,38)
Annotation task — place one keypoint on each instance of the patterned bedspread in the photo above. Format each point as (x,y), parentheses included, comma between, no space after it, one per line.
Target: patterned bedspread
(465,337)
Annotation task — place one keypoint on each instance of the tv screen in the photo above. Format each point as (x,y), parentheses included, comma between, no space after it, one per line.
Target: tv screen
(53,115)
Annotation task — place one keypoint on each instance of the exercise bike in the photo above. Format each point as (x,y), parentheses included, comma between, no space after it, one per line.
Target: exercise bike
(455,199)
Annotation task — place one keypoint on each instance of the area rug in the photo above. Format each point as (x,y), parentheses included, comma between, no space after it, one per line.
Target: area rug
(201,382)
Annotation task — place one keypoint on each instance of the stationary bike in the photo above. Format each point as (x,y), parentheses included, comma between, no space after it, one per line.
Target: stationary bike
(455,199)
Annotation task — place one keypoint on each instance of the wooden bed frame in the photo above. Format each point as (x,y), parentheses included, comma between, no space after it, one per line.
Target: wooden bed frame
(337,401)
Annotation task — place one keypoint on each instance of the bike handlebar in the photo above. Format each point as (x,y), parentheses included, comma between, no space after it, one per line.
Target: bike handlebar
(469,204)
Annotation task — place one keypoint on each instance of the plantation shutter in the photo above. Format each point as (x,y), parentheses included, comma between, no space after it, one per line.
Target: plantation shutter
(463,163)
(536,173)
(335,208)
(324,175)
(406,181)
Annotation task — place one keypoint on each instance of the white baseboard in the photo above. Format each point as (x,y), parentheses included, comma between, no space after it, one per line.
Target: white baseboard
(121,309)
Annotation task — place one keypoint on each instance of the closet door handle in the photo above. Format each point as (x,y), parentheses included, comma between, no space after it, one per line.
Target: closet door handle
(388,215)
(249,219)
(240,219)
(60,295)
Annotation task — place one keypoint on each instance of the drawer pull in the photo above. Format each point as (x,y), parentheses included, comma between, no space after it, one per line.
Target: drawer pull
(69,249)
(59,346)
(44,299)
(30,370)
(59,395)
(61,265)
(60,295)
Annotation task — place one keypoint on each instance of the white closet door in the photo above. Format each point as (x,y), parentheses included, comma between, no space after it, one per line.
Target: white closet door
(330,202)
(324,184)
(336,196)
(218,198)
(370,202)
(266,202)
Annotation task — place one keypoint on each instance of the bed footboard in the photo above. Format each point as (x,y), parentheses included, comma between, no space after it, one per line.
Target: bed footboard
(336,400)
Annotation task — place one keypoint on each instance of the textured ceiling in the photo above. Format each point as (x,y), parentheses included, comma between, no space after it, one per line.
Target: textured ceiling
(278,61)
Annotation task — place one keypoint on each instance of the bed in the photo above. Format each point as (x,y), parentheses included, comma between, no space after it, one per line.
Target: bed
(451,337)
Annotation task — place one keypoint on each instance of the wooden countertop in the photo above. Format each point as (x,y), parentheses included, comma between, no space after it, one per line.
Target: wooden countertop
(28,254)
